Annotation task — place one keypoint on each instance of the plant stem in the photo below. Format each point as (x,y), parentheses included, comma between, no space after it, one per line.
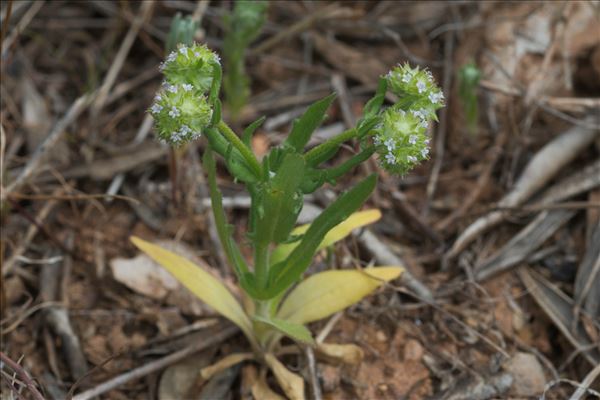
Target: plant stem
(261,264)
(241,147)
(315,154)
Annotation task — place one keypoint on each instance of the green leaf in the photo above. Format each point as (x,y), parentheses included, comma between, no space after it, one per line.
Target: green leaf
(236,164)
(250,129)
(288,271)
(374,104)
(205,286)
(293,330)
(326,293)
(332,174)
(282,202)
(339,232)
(232,252)
(304,127)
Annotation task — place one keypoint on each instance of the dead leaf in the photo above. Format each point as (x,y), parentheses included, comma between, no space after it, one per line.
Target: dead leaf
(345,353)
(292,384)
(224,363)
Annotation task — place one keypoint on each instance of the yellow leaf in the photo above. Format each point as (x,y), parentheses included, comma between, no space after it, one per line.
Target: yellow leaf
(338,233)
(205,286)
(326,293)
(291,383)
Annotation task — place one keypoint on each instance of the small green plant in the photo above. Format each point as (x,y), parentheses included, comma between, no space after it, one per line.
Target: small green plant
(469,76)
(242,26)
(277,301)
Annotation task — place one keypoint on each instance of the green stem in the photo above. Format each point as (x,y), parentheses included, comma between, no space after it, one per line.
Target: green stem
(261,265)
(241,147)
(313,157)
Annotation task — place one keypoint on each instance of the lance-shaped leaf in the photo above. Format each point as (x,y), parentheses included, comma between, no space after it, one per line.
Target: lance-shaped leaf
(250,129)
(295,331)
(374,104)
(282,201)
(285,273)
(339,232)
(205,286)
(326,293)
(304,127)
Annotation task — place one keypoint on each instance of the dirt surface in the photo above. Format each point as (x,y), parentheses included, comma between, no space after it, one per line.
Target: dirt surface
(501,225)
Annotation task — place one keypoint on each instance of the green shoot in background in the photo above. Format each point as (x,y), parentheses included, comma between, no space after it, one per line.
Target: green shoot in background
(469,76)
(182,32)
(276,299)
(242,26)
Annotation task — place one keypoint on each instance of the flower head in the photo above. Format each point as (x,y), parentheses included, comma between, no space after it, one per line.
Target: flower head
(191,65)
(180,109)
(401,140)
(181,115)
(415,87)
(401,136)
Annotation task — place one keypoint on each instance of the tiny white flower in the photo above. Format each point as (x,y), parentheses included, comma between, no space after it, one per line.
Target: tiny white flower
(424,152)
(170,88)
(406,78)
(174,113)
(184,130)
(377,140)
(390,144)
(196,54)
(421,86)
(187,87)
(390,159)
(427,141)
(436,98)
(171,57)
(271,174)
(157,98)
(412,139)
(183,50)
(156,108)
(412,159)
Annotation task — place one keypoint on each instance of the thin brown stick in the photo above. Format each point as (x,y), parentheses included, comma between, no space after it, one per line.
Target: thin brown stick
(156,365)
(42,151)
(23,375)
(440,140)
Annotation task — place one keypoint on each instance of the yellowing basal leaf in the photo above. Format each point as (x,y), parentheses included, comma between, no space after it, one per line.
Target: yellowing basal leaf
(326,293)
(356,220)
(199,282)
(291,383)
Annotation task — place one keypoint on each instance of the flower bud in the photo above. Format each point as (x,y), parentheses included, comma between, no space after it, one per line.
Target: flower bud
(416,88)
(181,114)
(190,65)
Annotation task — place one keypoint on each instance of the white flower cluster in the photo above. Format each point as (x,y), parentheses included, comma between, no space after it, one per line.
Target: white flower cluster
(401,137)
(181,114)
